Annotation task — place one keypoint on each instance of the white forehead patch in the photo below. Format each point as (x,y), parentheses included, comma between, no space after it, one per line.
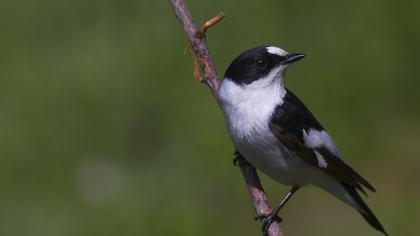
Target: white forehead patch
(276,51)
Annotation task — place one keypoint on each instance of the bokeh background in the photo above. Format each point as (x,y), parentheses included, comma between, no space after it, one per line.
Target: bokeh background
(103,130)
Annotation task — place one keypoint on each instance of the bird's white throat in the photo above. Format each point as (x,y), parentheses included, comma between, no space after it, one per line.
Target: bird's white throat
(248,107)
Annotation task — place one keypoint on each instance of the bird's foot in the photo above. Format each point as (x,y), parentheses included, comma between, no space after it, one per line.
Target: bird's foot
(267,220)
(235,161)
(239,159)
(236,158)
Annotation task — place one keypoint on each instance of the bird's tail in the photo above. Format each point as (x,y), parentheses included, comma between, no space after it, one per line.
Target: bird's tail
(363,209)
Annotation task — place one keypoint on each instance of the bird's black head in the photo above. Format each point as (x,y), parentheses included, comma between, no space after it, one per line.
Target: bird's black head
(258,62)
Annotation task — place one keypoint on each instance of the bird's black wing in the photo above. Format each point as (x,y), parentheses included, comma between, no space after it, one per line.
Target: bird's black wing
(295,126)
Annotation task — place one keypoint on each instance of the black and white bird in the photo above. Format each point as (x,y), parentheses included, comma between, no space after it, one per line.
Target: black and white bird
(277,134)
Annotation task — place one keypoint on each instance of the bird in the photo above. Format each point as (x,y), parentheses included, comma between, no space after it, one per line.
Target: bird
(275,132)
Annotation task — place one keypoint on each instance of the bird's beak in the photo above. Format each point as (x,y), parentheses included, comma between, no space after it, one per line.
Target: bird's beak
(292,57)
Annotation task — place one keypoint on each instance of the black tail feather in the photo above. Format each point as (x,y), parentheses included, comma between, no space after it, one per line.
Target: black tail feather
(366,213)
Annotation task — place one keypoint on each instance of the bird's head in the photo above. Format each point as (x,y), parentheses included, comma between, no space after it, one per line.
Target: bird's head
(265,63)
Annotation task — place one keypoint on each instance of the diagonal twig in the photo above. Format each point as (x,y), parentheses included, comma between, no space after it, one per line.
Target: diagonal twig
(204,70)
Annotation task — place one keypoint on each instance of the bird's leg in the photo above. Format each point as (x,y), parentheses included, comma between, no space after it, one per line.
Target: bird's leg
(268,219)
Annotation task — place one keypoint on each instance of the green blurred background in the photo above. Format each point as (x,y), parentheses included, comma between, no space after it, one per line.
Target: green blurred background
(103,130)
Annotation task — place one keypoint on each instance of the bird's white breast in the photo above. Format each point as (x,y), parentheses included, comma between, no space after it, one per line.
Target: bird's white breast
(247,110)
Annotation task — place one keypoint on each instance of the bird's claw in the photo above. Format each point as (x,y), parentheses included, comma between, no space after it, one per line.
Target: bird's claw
(236,158)
(235,161)
(267,220)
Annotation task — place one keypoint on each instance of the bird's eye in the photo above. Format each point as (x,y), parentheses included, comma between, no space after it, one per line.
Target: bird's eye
(282,58)
(261,63)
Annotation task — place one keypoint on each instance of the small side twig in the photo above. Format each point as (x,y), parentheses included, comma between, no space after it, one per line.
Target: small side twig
(204,71)
(201,33)
(206,25)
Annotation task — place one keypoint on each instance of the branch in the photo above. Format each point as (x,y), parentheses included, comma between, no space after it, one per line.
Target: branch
(205,72)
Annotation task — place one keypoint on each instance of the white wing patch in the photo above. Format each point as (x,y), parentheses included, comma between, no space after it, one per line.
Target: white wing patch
(319,138)
(321,161)
(276,51)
